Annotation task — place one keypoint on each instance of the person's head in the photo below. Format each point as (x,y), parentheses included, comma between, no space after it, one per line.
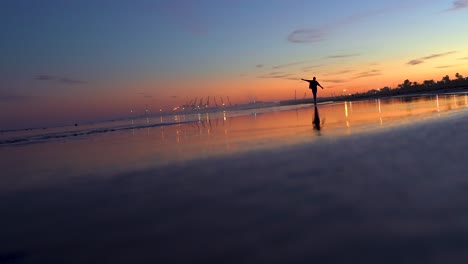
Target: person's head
(313,78)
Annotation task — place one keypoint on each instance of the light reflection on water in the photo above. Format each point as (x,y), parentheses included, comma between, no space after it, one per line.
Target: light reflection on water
(261,129)
(293,126)
(104,198)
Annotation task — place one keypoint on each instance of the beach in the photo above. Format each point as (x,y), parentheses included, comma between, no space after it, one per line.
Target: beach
(381,182)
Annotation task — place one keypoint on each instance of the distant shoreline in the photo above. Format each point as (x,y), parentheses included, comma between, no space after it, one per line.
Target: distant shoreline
(356,97)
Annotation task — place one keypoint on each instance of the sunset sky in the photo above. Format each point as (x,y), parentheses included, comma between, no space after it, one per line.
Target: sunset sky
(65,62)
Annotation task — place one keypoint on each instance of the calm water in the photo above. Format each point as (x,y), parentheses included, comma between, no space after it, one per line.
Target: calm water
(378,179)
(115,147)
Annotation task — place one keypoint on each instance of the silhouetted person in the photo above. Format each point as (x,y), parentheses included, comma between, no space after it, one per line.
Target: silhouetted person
(316,121)
(313,85)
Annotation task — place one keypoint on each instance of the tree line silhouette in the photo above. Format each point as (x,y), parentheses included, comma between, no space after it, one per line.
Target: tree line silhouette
(408,87)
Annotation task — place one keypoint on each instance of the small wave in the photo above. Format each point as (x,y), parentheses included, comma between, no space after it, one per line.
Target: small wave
(33,136)
(65,134)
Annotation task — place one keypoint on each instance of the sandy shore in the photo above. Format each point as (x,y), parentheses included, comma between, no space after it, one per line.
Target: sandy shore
(399,196)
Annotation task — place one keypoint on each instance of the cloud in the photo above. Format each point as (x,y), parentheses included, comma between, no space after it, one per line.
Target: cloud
(306,69)
(465,58)
(366,74)
(438,55)
(259,66)
(52,78)
(278,75)
(306,36)
(415,62)
(282,76)
(341,56)
(334,81)
(458,5)
(275,73)
(432,56)
(174,96)
(446,66)
(343,71)
(312,67)
(371,71)
(287,65)
(338,72)
(313,35)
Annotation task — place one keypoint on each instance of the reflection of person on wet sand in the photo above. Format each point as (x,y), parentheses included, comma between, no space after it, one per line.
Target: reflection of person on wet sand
(313,85)
(316,121)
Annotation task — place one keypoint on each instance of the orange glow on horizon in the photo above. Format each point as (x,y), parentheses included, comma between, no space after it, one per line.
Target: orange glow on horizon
(247,89)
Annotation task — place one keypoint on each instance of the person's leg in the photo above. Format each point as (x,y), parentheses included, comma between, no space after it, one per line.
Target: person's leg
(314,92)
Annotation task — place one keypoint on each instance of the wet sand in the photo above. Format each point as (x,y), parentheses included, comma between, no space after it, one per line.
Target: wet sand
(396,195)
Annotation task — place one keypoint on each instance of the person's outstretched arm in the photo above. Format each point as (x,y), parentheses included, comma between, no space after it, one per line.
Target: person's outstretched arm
(306,80)
(319,85)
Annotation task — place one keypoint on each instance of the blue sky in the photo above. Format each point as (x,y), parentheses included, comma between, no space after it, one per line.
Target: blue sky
(121,53)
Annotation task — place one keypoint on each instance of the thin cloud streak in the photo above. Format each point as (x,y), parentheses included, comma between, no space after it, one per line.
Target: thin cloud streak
(339,72)
(343,72)
(438,55)
(334,81)
(446,66)
(277,75)
(342,56)
(318,34)
(52,78)
(432,56)
(458,5)
(312,67)
(314,35)
(306,36)
(287,65)
(370,72)
(415,62)
(367,74)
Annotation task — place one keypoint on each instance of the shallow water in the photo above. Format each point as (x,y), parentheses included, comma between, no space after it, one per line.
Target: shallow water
(351,114)
(382,181)
(39,157)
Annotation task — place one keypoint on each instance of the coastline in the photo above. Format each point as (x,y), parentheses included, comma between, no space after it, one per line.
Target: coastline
(359,97)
